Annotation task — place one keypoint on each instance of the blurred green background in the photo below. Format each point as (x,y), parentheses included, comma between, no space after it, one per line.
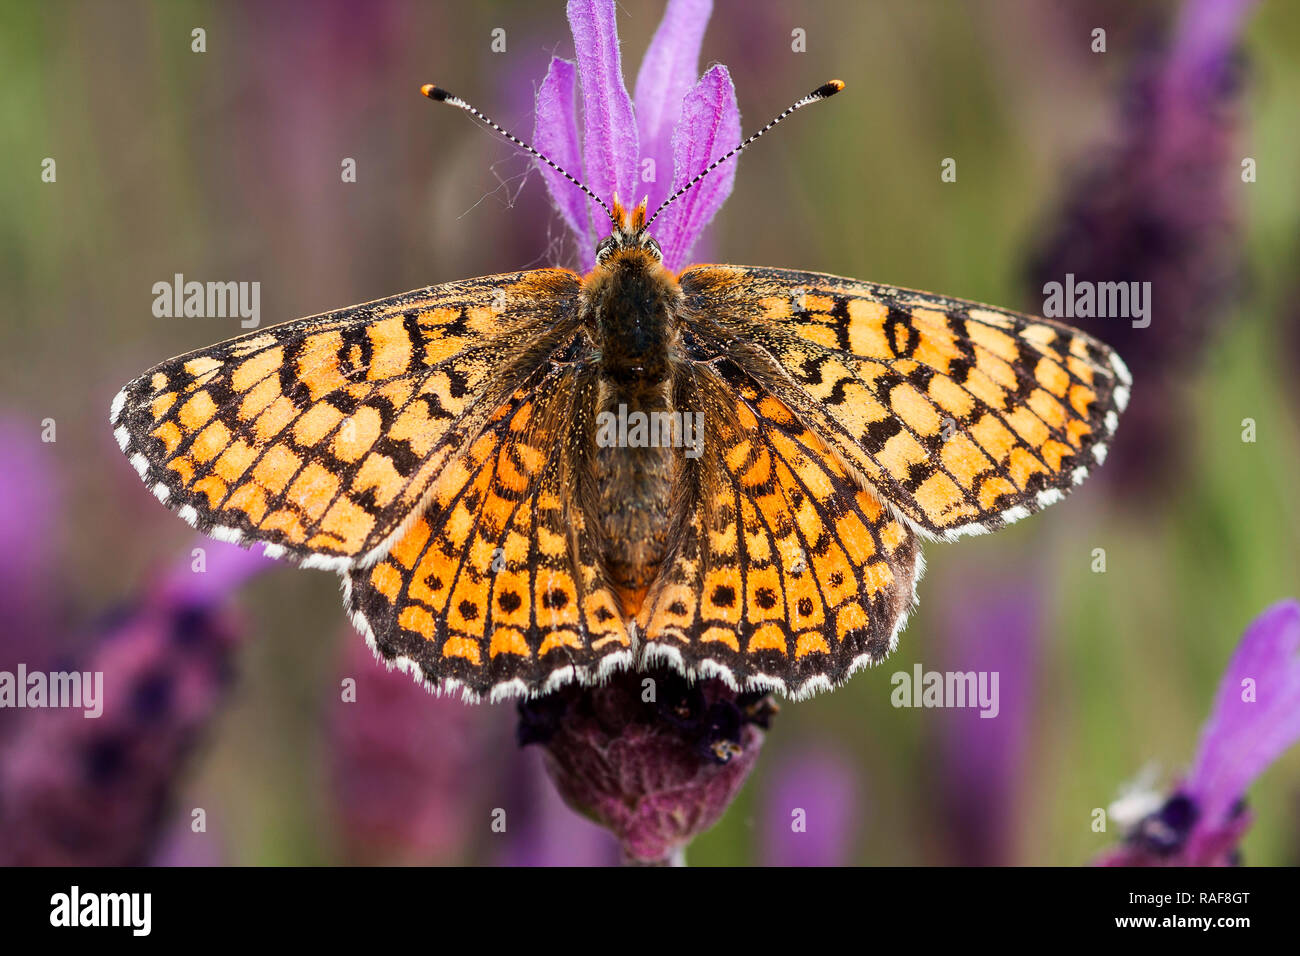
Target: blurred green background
(226,165)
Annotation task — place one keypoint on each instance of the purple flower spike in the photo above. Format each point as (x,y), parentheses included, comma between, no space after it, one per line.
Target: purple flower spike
(610,146)
(1256,718)
(669,70)
(677,128)
(1256,714)
(710,126)
(812,811)
(555,133)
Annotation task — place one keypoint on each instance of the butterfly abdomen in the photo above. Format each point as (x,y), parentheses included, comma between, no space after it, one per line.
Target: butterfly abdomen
(631,307)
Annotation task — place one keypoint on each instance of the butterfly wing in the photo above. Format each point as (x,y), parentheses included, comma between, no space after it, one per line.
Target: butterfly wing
(784,573)
(495,589)
(963,417)
(319,437)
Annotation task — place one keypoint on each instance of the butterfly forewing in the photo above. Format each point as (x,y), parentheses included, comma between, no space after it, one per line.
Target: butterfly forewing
(320,436)
(962,417)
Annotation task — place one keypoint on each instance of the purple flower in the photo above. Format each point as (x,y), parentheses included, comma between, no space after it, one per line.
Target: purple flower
(403,763)
(992,625)
(650,756)
(811,811)
(1160,207)
(80,790)
(1256,718)
(625,150)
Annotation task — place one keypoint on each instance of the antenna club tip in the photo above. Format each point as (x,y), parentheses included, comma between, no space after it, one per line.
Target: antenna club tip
(434,92)
(829,89)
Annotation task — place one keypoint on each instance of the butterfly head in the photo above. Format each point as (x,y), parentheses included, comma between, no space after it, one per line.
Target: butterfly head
(629,233)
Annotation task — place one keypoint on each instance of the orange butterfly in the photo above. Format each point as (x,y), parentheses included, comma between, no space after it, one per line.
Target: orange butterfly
(536,478)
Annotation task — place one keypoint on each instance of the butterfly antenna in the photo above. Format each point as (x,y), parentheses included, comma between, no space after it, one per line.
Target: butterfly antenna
(442,96)
(822,92)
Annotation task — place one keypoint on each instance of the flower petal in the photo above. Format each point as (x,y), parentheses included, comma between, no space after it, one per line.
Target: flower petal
(609,142)
(1242,737)
(669,70)
(555,133)
(709,127)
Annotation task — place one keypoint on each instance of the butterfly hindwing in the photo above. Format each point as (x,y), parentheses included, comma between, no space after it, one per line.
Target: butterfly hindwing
(786,573)
(963,417)
(320,436)
(495,589)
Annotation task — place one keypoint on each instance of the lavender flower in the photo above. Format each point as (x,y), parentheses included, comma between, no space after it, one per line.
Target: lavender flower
(1256,718)
(992,624)
(625,150)
(656,772)
(79,791)
(402,762)
(1161,207)
(811,811)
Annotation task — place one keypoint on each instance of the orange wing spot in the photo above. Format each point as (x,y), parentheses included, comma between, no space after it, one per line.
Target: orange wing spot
(378,474)
(314,490)
(867,328)
(286,522)
(507,640)
(1052,377)
(850,617)
(1076,430)
(892,536)
(559,639)
(315,423)
(275,469)
(721,635)
(1047,408)
(169,434)
(407,548)
(964,459)
(318,365)
(1081,398)
(390,349)
(877,578)
(900,453)
(161,404)
(183,467)
(855,537)
(261,395)
(197,411)
(951,397)
(258,370)
(213,487)
(357,434)
(210,442)
(250,499)
(1029,426)
(995,340)
(201,366)
(913,408)
(235,460)
(836,576)
(419,621)
(810,642)
(1022,465)
(769,637)
(994,438)
(274,418)
(994,488)
(463,647)
(348,522)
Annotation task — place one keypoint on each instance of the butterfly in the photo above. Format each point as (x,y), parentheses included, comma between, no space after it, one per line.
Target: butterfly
(499,467)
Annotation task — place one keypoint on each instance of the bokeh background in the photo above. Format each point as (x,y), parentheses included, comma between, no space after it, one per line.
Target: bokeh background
(225,165)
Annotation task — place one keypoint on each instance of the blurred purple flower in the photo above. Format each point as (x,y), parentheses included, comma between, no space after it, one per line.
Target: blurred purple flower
(625,151)
(811,810)
(1161,207)
(95,791)
(402,762)
(656,773)
(1256,718)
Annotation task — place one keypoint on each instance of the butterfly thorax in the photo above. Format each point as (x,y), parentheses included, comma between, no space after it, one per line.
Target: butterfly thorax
(630,309)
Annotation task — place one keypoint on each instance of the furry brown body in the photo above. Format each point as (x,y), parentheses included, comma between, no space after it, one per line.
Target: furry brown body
(630,308)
